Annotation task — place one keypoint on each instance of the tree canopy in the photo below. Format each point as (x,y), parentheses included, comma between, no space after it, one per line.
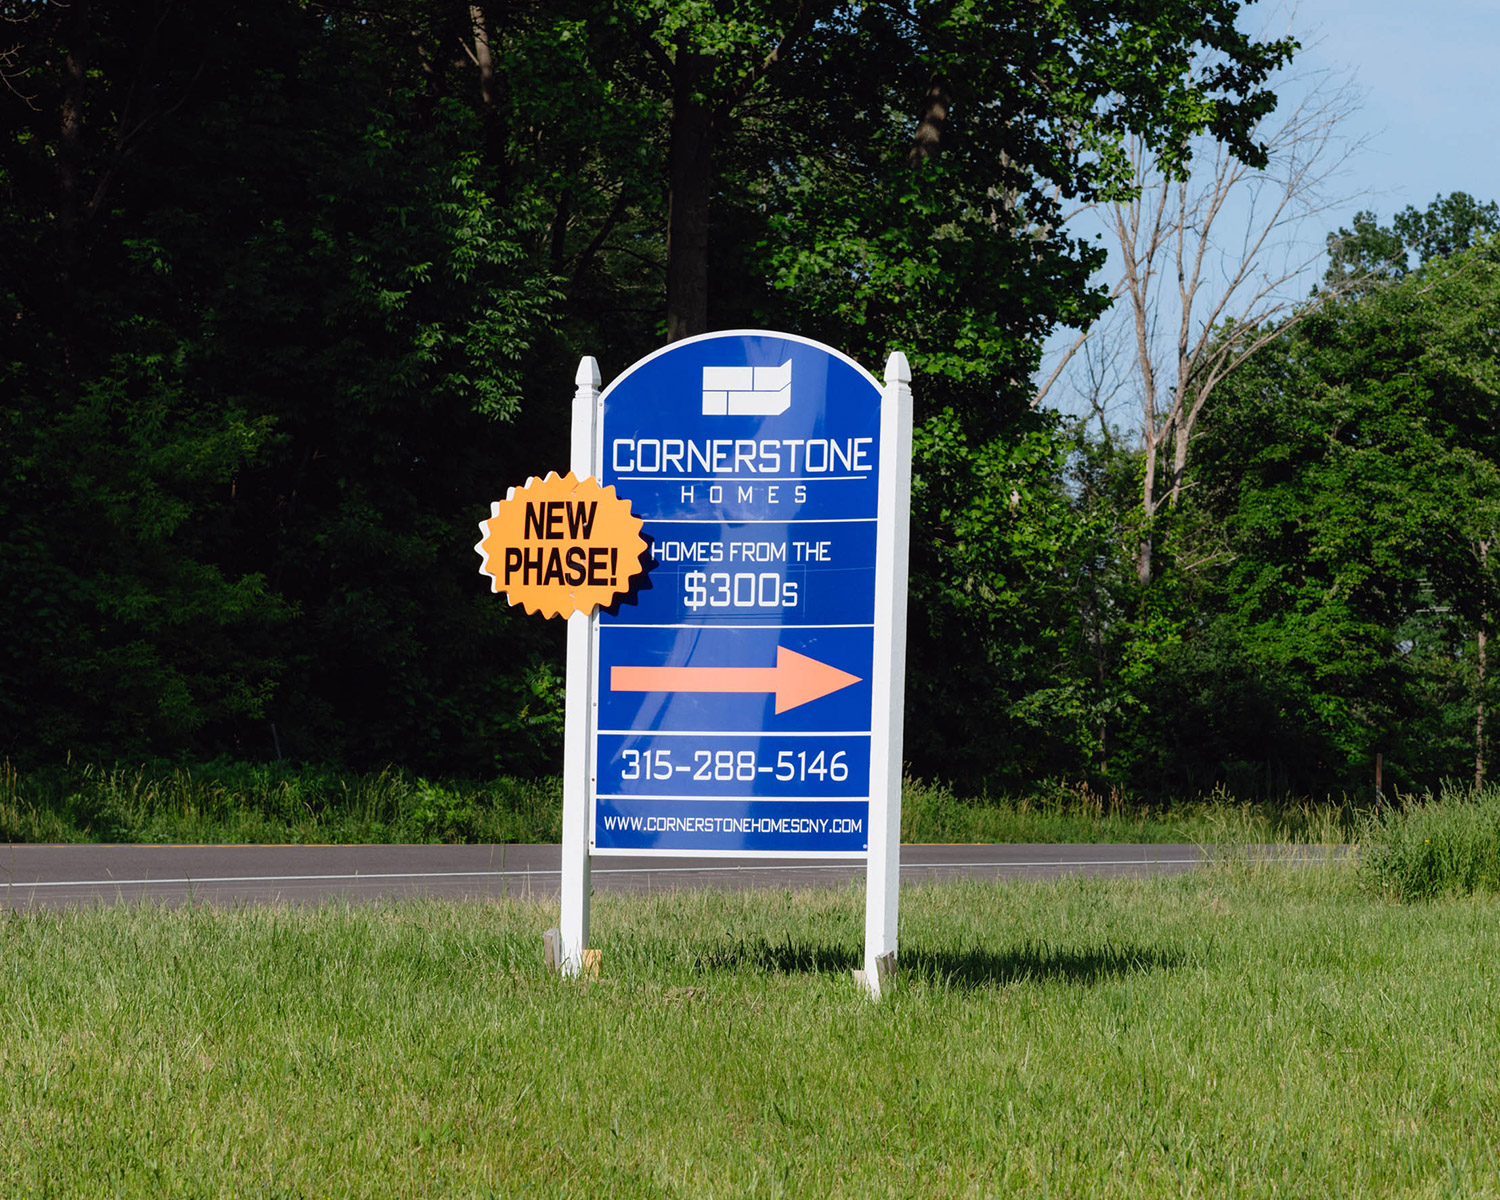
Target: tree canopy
(1352,474)
(292,289)
(1372,253)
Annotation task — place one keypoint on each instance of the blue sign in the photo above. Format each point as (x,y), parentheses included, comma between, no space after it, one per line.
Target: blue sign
(733,689)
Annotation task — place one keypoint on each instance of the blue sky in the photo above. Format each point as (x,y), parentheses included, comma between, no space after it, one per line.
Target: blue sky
(1429,76)
(1428,121)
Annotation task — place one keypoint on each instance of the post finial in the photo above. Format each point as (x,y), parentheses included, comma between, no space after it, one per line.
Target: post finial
(588,372)
(897,369)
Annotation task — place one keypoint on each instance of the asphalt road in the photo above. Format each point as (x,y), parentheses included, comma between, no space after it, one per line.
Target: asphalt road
(58,876)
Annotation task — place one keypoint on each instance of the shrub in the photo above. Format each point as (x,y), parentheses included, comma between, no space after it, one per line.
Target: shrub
(1437,847)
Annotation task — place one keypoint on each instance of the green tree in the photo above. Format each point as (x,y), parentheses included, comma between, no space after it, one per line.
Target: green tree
(246,396)
(1353,473)
(1378,253)
(898,183)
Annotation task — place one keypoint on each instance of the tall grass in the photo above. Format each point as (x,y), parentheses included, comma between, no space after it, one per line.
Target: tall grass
(1058,812)
(1435,846)
(236,802)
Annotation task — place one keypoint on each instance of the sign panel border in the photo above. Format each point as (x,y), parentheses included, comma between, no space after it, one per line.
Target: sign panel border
(881,637)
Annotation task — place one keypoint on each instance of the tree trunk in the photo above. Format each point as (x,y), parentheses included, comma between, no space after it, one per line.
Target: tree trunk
(927,142)
(1143,559)
(1148,511)
(1181,432)
(1481,639)
(1479,708)
(690,179)
(70,143)
(483,59)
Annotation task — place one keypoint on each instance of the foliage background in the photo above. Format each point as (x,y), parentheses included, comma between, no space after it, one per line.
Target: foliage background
(290,290)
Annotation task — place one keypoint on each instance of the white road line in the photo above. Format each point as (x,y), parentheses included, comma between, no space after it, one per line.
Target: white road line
(164,881)
(736,869)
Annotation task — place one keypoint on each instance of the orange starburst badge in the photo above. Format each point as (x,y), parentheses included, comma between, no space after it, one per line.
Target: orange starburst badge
(561,545)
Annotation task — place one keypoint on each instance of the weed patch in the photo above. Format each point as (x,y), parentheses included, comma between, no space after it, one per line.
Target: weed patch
(239,803)
(1436,846)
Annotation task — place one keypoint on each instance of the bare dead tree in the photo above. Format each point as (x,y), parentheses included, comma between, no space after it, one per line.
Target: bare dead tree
(1099,373)
(1208,264)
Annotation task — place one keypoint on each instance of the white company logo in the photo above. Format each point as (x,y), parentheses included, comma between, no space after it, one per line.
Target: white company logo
(747,391)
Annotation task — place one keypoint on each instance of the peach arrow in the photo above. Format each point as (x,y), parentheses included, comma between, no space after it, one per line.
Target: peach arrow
(795,679)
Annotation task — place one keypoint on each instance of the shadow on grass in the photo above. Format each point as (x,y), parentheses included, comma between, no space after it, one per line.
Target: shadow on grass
(1036,963)
(956,969)
(777,958)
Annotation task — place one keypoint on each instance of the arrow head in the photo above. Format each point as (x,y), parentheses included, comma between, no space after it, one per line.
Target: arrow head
(800,679)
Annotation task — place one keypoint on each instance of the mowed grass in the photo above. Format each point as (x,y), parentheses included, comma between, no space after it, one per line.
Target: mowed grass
(1249,1031)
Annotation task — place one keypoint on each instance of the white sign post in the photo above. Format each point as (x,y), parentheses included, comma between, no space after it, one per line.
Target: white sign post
(883,868)
(579,706)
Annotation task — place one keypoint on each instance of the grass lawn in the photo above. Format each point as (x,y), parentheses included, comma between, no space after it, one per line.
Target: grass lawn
(1249,1030)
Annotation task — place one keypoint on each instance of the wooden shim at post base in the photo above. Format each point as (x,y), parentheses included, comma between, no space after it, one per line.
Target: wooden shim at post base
(551,951)
(885,972)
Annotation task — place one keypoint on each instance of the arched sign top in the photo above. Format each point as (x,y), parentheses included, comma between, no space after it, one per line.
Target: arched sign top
(756,342)
(744,426)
